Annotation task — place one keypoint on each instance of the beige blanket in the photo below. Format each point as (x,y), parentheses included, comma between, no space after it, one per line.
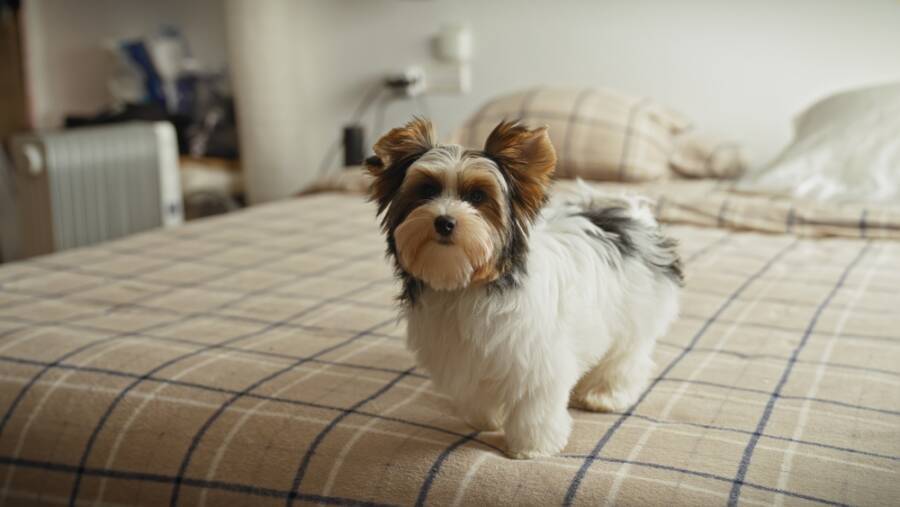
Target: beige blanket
(255,359)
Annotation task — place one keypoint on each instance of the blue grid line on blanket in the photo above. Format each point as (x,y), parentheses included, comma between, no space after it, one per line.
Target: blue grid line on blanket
(30,293)
(774,357)
(100,424)
(598,448)
(243,296)
(26,388)
(273,399)
(747,457)
(333,500)
(706,475)
(201,432)
(362,304)
(141,303)
(435,468)
(776,327)
(782,396)
(115,247)
(314,445)
(183,318)
(780,438)
(92,270)
(194,385)
(712,245)
(233,487)
(165,287)
(73,323)
(293,357)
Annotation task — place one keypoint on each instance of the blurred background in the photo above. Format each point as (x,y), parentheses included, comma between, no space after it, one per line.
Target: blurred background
(264,98)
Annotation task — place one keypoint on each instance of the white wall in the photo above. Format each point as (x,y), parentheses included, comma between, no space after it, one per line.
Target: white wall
(66,67)
(740,68)
(274,78)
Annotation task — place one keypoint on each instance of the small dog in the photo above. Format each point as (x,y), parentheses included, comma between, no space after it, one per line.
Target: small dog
(518,309)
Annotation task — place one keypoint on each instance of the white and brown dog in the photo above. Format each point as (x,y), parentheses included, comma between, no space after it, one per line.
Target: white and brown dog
(518,309)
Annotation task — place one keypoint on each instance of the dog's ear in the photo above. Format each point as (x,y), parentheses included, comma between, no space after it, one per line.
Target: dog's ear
(414,138)
(527,157)
(394,153)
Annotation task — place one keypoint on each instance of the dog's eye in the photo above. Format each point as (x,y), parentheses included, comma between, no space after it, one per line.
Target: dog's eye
(428,190)
(476,196)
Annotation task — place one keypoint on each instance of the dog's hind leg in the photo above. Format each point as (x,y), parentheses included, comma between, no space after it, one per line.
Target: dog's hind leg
(618,380)
(615,383)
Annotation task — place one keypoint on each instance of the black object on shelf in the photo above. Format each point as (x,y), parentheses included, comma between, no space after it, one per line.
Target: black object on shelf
(136,112)
(354,140)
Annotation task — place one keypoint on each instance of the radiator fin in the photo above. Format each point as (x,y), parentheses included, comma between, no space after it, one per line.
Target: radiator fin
(102,183)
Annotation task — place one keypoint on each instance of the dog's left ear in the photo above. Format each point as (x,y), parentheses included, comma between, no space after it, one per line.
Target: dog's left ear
(528,158)
(394,153)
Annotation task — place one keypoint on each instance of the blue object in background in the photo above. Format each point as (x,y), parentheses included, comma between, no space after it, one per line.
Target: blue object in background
(137,53)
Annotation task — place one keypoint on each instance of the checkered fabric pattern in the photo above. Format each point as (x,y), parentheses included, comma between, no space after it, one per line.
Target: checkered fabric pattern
(712,203)
(601,134)
(256,359)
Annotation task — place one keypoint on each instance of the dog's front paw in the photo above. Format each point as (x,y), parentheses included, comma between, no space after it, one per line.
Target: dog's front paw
(537,441)
(530,453)
(482,417)
(616,400)
(483,422)
(532,450)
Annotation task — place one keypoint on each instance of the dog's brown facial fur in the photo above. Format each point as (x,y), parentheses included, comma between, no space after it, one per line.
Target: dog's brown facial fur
(494,194)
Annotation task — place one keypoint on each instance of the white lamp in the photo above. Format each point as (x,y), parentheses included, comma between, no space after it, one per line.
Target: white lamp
(453,45)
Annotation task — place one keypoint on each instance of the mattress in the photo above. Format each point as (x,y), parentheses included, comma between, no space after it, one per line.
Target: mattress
(256,359)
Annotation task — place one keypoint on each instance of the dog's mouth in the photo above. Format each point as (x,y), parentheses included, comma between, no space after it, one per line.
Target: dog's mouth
(444,260)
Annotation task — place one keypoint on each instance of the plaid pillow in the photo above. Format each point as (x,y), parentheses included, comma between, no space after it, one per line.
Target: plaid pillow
(604,135)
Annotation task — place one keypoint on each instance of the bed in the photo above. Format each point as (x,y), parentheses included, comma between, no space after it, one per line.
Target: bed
(256,359)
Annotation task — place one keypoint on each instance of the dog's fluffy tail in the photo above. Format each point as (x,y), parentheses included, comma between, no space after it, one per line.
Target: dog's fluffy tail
(626,223)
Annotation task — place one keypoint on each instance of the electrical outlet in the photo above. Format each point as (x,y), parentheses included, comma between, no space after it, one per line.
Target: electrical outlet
(409,83)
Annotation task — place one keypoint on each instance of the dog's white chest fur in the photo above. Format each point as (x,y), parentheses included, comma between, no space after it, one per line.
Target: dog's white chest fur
(580,322)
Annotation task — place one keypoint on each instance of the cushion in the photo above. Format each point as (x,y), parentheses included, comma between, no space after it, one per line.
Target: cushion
(602,134)
(846,148)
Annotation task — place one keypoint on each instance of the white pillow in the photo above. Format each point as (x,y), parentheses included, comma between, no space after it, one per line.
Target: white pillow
(846,148)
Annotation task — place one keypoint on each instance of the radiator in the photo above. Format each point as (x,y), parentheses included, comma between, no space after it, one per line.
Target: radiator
(82,186)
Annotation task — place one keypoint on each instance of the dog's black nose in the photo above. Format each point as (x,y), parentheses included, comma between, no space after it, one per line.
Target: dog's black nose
(444,225)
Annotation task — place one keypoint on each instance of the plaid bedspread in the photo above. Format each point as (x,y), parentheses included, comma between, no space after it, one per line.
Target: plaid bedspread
(256,359)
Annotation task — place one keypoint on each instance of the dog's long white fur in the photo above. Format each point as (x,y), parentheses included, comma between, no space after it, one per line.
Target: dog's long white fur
(581,324)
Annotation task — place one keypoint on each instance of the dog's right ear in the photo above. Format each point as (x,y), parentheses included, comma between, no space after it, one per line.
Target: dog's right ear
(394,153)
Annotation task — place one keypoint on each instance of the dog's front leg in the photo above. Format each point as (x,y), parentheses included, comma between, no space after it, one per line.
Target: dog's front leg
(539,423)
(483,409)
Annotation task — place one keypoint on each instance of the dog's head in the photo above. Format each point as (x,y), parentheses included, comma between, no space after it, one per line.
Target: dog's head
(456,217)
